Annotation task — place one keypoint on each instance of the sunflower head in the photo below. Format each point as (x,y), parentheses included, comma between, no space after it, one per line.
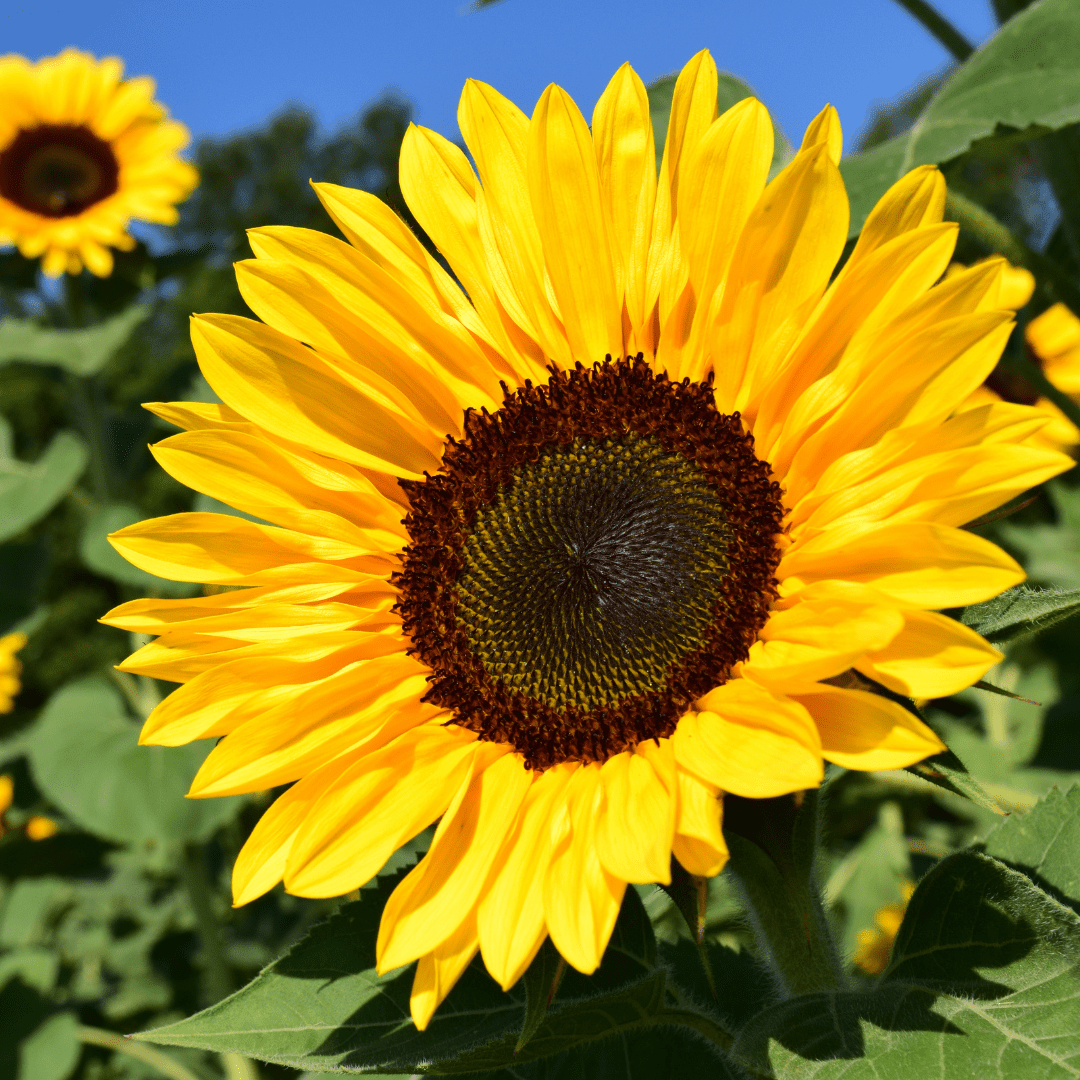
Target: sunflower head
(82,153)
(646,504)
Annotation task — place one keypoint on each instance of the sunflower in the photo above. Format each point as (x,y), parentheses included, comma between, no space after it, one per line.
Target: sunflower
(81,154)
(10,669)
(559,549)
(874,943)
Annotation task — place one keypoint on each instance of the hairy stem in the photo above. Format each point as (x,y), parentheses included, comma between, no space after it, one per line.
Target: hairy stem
(940,27)
(164,1064)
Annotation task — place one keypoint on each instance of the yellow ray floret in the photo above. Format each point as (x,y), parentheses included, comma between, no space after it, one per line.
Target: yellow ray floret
(82,153)
(427,623)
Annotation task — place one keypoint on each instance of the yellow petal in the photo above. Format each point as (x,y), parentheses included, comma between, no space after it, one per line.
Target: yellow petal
(400,333)
(779,271)
(918,563)
(497,135)
(886,280)
(576,236)
(750,741)
(511,911)
(326,498)
(278,384)
(446,884)
(440,969)
(261,862)
(821,635)
(699,843)
(933,656)
(440,187)
(636,816)
(231,550)
(626,161)
(865,731)
(721,185)
(367,703)
(581,899)
(378,803)
(951,487)
(825,128)
(917,199)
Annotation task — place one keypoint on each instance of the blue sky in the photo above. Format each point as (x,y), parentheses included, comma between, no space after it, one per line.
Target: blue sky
(225,65)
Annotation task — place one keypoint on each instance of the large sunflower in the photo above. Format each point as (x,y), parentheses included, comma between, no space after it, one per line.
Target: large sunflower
(559,554)
(81,154)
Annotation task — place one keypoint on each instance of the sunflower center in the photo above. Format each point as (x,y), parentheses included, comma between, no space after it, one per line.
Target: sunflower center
(57,170)
(591,558)
(593,571)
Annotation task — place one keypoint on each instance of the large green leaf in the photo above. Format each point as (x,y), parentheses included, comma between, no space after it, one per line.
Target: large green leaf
(1021,612)
(85,756)
(730,90)
(1045,843)
(323,1007)
(29,491)
(984,982)
(82,352)
(1025,76)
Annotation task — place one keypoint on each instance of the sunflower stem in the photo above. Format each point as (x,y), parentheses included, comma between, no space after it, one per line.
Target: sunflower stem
(773,843)
(940,27)
(690,895)
(217,979)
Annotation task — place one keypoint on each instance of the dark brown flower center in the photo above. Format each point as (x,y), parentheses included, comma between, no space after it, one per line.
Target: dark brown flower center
(590,559)
(58,170)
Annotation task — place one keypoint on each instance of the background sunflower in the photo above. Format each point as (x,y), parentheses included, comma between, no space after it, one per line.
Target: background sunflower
(83,152)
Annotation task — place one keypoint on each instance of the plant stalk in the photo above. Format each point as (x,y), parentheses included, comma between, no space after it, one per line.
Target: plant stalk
(940,27)
(218,981)
(773,844)
(164,1064)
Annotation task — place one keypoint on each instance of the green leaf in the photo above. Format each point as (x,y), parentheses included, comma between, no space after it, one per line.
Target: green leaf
(730,91)
(947,771)
(85,757)
(1021,612)
(1044,843)
(101,557)
(23,1013)
(29,491)
(82,352)
(541,982)
(52,1051)
(984,982)
(1025,76)
(323,1007)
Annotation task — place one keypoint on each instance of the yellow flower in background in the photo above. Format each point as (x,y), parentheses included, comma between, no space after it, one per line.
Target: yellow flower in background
(1054,339)
(10,668)
(41,828)
(559,555)
(874,944)
(82,153)
(7,797)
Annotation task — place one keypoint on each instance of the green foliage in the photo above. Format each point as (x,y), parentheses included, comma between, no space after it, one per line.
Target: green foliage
(984,981)
(85,757)
(1025,78)
(29,491)
(81,352)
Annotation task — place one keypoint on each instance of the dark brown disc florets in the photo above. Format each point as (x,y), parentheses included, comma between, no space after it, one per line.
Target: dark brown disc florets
(58,170)
(591,558)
